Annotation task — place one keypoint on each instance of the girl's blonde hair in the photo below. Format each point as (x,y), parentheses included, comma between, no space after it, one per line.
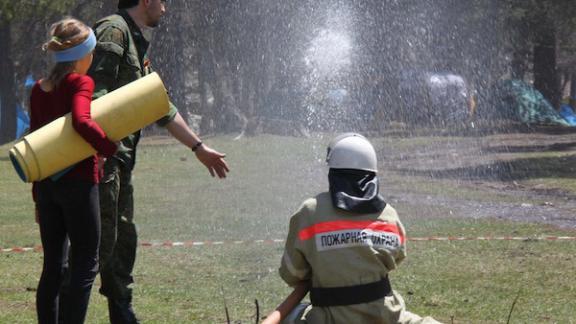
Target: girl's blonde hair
(64,34)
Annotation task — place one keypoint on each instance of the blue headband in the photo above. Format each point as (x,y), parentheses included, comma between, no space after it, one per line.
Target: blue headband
(77,52)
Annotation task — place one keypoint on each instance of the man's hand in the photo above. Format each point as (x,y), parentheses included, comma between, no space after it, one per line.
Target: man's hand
(213,160)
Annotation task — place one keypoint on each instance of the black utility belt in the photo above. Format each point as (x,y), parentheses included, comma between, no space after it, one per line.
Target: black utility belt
(351,295)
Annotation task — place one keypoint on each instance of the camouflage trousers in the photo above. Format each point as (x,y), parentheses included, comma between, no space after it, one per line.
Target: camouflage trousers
(119,239)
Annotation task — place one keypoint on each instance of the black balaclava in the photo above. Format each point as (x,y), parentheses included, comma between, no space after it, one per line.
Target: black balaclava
(355,191)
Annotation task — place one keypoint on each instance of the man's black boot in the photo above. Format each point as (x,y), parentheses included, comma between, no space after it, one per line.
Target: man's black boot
(121,312)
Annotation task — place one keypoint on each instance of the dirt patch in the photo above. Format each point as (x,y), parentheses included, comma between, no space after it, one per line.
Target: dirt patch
(507,165)
(560,213)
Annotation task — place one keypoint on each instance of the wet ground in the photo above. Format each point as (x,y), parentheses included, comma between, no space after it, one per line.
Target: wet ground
(532,174)
(527,176)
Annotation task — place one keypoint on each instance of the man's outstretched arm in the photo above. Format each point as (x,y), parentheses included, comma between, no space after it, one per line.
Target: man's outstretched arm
(212,159)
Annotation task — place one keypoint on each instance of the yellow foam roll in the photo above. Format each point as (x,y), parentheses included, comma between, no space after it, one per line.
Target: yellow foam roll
(56,146)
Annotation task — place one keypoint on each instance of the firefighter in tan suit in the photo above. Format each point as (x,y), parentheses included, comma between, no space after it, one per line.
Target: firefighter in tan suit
(343,243)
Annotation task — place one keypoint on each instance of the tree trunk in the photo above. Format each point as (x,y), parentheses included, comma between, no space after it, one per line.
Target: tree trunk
(545,70)
(7,89)
(206,100)
(518,64)
(572,85)
(171,62)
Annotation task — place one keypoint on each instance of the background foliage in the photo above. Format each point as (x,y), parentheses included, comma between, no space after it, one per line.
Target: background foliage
(243,66)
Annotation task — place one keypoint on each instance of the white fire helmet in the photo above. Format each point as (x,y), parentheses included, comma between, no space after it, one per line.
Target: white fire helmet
(351,151)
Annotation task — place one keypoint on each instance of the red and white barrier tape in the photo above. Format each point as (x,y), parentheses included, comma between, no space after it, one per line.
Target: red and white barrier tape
(413,239)
(494,238)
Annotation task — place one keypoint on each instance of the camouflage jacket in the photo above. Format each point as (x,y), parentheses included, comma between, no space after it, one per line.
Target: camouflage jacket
(121,57)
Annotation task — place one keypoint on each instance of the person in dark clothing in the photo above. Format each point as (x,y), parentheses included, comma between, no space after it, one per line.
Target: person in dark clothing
(67,203)
(121,57)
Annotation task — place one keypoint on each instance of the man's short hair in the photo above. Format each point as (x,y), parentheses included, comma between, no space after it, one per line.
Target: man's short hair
(125,4)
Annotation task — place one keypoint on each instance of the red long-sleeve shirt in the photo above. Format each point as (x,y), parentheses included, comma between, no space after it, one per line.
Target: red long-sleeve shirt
(73,94)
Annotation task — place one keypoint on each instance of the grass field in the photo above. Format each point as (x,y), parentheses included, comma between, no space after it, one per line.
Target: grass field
(176,200)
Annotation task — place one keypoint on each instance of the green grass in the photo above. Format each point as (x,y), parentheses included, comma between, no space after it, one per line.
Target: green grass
(176,199)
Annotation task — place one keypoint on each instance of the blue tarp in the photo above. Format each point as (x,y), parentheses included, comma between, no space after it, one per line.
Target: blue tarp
(517,100)
(29,83)
(22,118)
(22,121)
(567,112)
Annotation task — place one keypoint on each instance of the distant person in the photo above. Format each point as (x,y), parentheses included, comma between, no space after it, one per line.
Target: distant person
(67,204)
(341,246)
(120,58)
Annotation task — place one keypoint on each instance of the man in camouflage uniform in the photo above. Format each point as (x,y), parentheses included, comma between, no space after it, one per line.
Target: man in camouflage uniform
(344,242)
(121,57)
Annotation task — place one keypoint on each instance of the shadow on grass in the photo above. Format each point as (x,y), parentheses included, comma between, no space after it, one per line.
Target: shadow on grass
(514,170)
(479,128)
(557,147)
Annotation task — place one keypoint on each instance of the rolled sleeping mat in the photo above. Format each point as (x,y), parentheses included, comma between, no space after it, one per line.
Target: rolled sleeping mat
(57,146)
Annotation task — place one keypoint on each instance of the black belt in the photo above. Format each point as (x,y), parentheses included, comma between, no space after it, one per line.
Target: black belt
(341,296)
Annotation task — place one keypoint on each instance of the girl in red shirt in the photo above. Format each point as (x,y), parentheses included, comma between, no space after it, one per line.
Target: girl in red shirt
(67,204)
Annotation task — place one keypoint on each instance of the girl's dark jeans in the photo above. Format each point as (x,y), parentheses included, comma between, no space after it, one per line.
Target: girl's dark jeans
(68,209)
